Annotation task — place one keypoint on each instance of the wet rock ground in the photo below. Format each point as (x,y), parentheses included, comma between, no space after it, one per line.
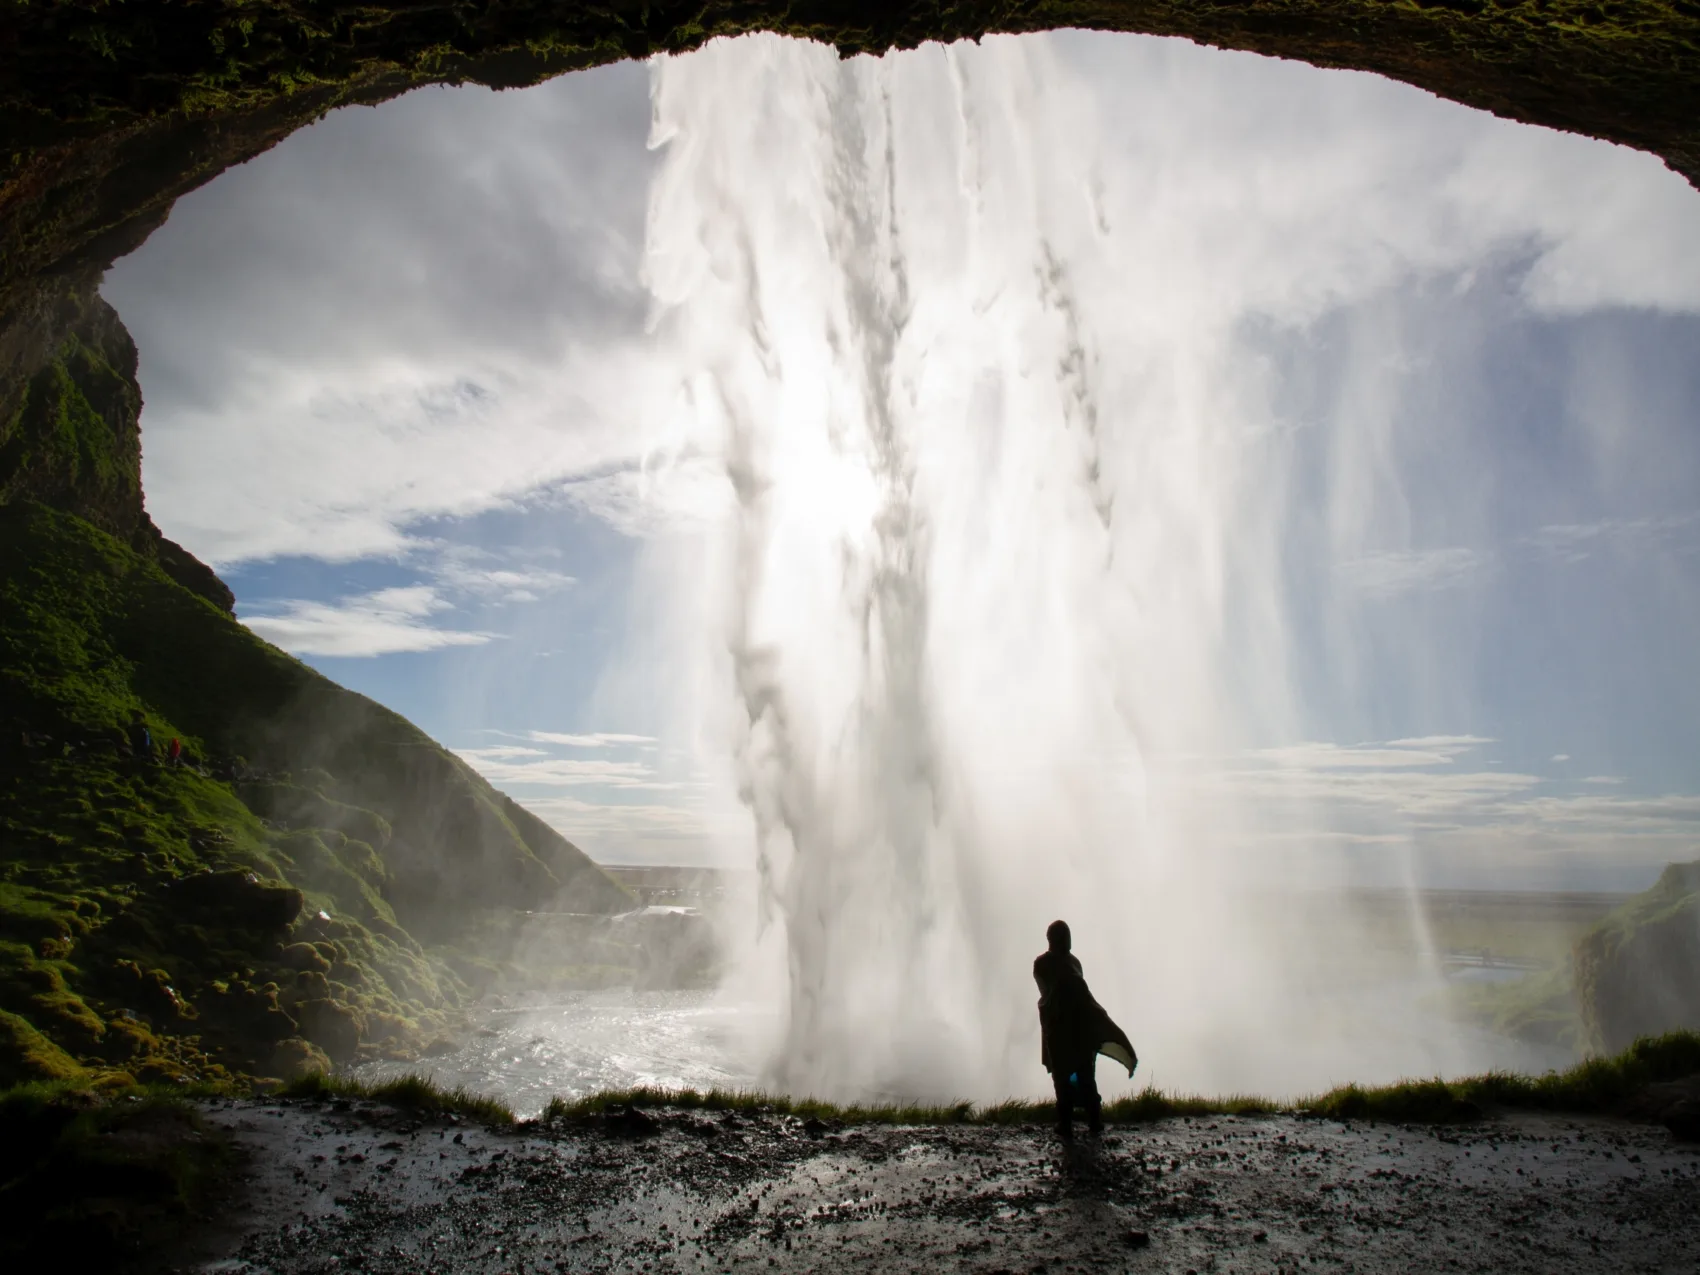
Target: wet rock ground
(352,1186)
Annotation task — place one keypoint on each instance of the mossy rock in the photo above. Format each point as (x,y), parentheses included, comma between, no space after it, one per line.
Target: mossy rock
(238,899)
(304,957)
(334,1027)
(296,1057)
(26,1055)
(249,1012)
(162,1070)
(127,1037)
(37,989)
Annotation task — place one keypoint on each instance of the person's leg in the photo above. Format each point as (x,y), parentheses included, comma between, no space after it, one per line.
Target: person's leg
(1089,1096)
(1065,1101)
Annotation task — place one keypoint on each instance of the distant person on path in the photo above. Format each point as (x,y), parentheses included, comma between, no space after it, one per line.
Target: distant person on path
(141,738)
(1074,1030)
(174,751)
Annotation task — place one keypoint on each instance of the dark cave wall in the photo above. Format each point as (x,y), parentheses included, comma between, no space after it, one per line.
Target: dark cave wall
(111,111)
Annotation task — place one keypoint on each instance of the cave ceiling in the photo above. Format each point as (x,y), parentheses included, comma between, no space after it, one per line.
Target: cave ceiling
(113,108)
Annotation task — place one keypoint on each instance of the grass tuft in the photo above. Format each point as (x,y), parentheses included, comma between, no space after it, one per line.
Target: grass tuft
(1595,1086)
(413,1092)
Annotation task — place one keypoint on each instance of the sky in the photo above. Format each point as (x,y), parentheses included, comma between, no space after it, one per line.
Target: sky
(412,384)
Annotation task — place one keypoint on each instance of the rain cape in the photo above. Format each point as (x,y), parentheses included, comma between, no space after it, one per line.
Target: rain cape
(1074,1028)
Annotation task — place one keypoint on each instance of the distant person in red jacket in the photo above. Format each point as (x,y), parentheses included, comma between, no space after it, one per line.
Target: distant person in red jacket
(1074,1030)
(174,751)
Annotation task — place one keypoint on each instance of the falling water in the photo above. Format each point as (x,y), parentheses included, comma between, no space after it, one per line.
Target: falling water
(1002,578)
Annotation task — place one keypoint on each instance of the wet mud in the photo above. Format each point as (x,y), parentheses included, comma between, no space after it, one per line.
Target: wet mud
(351,1186)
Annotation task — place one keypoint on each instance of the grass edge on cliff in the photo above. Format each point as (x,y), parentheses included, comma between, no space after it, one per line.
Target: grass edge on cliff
(1595,1086)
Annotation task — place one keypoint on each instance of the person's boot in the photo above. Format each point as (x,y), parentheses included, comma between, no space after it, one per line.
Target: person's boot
(1095,1118)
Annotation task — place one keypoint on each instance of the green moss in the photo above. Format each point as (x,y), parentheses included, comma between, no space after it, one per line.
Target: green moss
(26,1055)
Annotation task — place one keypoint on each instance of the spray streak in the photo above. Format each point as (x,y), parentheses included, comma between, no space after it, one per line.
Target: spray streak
(1002,539)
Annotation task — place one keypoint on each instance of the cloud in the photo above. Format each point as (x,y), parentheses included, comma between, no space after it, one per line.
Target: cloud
(495,582)
(431,308)
(1450,744)
(1391,573)
(502,768)
(618,809)
(517,765)
(1393,793)
(397,619)
(599,739)
(1431,750)
(1560,757)
(381,623)
(1605,817)
(1574,542)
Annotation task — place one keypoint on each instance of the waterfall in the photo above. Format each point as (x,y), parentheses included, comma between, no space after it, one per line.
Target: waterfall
(1001,581)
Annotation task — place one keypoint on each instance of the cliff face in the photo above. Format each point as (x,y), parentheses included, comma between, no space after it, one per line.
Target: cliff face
(73,440)
(1638,971)
(301,888)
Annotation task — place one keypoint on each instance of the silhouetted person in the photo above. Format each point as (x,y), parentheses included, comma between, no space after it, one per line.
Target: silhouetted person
(1074,1030)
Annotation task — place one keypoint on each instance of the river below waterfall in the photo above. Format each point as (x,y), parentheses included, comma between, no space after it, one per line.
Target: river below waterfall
(527,1050)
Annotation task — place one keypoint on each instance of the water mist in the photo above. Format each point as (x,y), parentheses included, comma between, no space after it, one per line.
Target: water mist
(1002,576)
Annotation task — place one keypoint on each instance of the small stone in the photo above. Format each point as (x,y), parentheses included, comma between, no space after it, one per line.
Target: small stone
(630,1121)
(1683,1120)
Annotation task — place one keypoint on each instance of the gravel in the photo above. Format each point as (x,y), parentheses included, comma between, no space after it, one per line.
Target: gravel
(362,1187)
